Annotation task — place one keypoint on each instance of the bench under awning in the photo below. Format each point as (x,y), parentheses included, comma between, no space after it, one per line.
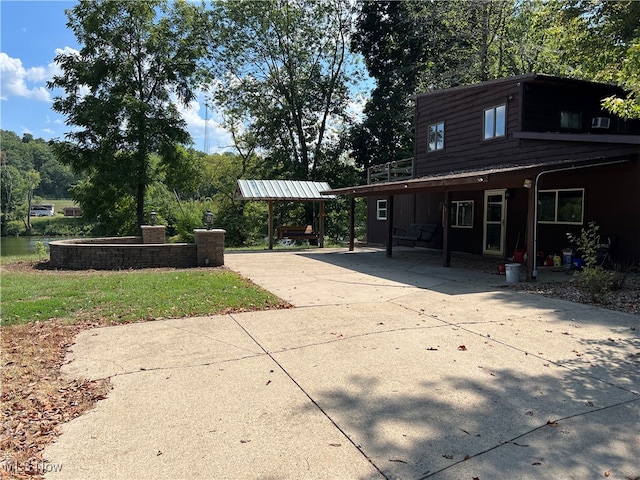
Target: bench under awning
(285,191)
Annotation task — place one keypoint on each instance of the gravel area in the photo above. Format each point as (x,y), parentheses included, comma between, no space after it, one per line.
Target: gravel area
(626,299)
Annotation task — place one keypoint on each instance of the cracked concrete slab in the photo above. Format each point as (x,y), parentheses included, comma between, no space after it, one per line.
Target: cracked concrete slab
(387,368)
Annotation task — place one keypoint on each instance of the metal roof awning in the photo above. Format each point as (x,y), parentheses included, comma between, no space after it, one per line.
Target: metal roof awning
(282,190)
(285,191)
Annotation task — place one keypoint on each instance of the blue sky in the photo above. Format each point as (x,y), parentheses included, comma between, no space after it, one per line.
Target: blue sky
(31,35)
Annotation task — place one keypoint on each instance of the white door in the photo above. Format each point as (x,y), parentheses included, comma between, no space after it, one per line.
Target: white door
(494,222)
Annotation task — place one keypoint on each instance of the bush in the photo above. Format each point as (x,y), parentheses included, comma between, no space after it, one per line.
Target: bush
(594,281)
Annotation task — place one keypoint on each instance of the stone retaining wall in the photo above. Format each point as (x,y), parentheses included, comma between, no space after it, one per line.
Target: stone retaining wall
(116,253)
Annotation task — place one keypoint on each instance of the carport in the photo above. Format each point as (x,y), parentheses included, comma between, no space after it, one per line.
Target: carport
(271,191)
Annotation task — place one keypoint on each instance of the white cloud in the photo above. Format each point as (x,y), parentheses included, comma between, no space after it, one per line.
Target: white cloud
(15,80)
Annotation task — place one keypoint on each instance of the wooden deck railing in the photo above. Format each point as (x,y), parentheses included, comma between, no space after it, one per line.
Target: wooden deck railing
(391,171)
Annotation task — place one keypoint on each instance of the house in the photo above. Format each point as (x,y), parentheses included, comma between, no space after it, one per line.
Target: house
(512,164)
(72,211)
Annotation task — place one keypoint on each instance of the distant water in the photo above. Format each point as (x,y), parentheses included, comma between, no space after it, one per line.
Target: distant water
(12,246)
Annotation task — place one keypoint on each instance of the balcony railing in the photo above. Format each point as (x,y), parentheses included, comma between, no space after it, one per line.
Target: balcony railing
(390,171)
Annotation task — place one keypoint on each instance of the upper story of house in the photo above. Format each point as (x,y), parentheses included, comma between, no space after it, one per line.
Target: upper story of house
(516,121)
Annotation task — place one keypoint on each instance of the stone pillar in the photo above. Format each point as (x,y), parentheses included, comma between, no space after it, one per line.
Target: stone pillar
(210,247)
(152,233)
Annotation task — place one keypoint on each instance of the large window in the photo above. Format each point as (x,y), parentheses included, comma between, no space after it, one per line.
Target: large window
(462,214)
(436,137)
(495,122)
(381,210)
(561,206)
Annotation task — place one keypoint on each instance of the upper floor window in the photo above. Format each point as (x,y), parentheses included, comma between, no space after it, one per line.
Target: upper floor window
(561,206)
(570,120)
(495,122)
(381,210)
(462,214)
(436,137)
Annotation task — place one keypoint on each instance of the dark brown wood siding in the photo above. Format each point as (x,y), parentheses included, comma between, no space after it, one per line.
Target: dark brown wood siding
(611,199)
(462,110)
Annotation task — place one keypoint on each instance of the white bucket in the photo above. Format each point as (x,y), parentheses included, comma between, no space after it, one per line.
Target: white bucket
(513,272)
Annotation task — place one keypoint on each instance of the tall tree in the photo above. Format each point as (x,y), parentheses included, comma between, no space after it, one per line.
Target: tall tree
(416,46)
(281,68)
(120,92)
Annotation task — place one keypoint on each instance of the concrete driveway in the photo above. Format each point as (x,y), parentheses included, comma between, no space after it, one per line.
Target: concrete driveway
(387,368)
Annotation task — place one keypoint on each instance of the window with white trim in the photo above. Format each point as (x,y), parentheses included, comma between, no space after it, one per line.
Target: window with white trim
(561,206)
(436,137)
(381,210)
(495,122)
(462,213)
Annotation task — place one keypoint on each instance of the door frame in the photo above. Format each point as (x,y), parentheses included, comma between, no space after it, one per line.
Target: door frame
(503,222)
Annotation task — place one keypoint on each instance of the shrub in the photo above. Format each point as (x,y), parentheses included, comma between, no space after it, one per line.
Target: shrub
(594,281)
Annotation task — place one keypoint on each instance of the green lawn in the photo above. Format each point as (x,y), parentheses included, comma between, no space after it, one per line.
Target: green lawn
(126,296)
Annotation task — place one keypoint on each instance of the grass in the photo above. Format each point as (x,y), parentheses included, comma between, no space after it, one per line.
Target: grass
(42,312)
(126,296)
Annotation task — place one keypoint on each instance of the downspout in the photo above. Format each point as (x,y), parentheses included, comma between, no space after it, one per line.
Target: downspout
(534,273)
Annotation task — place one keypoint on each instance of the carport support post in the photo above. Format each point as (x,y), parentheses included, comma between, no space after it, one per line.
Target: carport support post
(270,228)
(446,252)
(321,224)
(532,255)
(389,225)
(352,222)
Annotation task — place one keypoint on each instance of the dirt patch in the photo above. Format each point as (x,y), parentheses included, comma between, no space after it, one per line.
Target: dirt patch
(36,399)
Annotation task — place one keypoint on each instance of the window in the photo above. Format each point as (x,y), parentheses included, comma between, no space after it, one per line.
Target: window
(462,214)
(436,137)
(561,206)
(495,122)
(570,120)
(381,210)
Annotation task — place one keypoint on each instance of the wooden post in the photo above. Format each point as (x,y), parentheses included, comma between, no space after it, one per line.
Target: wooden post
(532,255)
(352,222)
(270,224)
(321,239)
(446,252)
(389,225)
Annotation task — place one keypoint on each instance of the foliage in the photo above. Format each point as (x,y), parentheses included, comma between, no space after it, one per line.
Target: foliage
(118,94)
(41,250)
(594,280)
(190,217)
(281,78)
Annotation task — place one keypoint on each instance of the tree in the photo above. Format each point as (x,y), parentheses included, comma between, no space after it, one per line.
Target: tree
(12,187)
(415,46)
(32,180)
(281,77)
(120,91)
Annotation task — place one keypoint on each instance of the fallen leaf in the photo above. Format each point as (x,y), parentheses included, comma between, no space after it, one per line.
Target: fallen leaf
(432,349)
(466,457)
(462,348)
(536,463)
(245,441)
(335,444)
(607,473)
(552,424)
(448,456)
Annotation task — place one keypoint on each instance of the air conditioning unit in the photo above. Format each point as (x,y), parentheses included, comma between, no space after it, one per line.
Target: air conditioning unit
(600,122)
